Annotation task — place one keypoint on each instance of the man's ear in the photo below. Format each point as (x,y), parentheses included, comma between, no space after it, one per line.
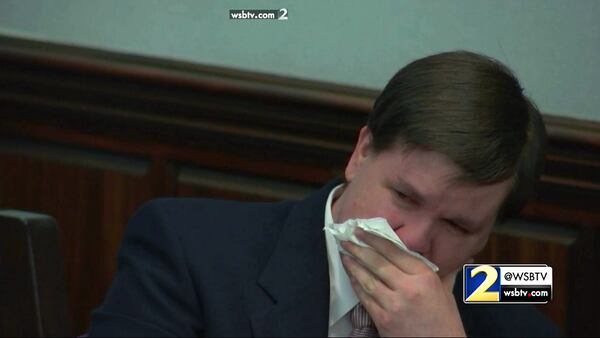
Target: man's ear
(361,152)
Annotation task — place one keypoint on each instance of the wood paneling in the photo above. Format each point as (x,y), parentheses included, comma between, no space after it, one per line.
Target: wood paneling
(87,136)
(524,242)
(210,183)
(91,204)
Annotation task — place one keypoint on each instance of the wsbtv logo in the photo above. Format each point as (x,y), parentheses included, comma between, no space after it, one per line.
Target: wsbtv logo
(507,283)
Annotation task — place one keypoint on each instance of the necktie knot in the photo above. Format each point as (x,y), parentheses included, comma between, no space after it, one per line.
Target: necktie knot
(362,324)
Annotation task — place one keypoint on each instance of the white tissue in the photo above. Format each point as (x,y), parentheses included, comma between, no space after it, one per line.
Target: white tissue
(376,226)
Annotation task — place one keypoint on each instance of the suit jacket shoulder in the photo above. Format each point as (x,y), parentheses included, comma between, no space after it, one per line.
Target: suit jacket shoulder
(178,256)
(190,267)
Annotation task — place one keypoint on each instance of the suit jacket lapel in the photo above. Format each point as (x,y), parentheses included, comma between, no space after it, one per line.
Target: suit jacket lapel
(292,295)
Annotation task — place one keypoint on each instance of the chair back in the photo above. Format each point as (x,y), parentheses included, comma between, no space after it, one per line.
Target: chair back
(33,292)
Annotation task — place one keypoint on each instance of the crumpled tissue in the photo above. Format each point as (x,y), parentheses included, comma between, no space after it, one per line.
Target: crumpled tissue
(377,226)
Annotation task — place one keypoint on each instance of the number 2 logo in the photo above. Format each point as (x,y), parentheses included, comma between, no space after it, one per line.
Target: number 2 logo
(283,14)
(481,294)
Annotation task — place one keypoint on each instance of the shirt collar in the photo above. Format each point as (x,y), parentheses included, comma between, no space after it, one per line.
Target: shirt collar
(341,295)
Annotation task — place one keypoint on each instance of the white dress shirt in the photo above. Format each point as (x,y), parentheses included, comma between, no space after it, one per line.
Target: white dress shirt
(341,295)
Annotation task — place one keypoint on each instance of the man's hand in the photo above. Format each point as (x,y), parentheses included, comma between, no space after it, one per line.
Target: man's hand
(403,295)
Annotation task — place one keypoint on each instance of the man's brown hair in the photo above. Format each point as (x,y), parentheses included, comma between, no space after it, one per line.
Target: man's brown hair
(470,108)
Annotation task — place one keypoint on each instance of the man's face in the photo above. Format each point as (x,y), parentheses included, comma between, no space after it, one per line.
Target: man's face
(417,192)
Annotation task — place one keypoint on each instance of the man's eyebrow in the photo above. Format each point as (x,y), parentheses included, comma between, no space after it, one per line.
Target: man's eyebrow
(409,190)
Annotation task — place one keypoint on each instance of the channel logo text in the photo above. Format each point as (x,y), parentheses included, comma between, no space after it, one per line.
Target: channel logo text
(514,283)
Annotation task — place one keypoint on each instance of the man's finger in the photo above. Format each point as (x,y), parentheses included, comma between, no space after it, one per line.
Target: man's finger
(378,265)
(363,281)
(368,302)
(400,258)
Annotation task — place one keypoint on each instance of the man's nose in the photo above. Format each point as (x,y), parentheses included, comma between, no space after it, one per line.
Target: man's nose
(416,233)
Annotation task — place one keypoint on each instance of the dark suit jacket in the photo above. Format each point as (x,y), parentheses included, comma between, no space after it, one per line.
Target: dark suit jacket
(198,267)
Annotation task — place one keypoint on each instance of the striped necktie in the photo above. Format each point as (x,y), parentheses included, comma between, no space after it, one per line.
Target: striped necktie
(362,324)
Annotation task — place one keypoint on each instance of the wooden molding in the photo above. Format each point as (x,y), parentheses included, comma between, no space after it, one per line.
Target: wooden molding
(48,87)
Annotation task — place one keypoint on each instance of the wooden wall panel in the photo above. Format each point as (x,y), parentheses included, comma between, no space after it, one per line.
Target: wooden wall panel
(87,136)
(582,314)
(91,203)
(520,242)
(200,182)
